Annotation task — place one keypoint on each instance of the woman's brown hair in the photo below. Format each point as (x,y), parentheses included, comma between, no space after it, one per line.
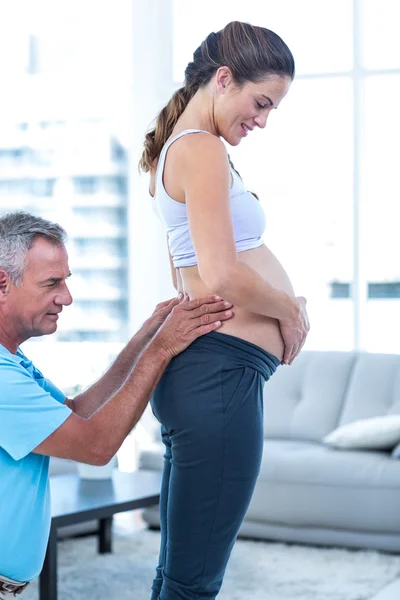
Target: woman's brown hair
(251,53)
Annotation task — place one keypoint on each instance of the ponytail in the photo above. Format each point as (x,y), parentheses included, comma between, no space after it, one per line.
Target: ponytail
(165,123)
(251,53)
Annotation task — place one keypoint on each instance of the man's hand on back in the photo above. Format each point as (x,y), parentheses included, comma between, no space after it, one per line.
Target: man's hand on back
(187,320)
(161,312)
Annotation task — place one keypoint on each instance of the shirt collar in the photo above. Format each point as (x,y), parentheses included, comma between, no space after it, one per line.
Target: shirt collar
(18,357)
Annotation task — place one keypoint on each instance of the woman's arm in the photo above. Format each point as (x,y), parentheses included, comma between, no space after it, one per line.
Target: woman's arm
(205,179)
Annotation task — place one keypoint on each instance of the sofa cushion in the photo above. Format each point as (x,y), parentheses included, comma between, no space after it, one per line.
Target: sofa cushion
(374,388)
(396,452)
(377,433)
(304,401)
(312,485)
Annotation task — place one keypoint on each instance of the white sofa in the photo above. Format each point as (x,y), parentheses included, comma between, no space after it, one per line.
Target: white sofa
(309,492)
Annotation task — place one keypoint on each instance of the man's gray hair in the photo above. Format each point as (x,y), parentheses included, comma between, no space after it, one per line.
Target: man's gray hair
(18,232)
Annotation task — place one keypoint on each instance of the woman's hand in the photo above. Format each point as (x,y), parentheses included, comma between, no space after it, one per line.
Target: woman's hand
(294,331)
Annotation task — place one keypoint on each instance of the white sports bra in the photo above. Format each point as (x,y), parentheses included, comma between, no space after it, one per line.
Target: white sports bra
(248,217)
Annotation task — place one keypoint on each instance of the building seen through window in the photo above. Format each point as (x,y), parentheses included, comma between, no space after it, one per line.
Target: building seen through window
(62,157)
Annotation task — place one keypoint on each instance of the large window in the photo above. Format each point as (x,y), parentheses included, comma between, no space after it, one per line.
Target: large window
(81,82)
(66,73)
(326,167)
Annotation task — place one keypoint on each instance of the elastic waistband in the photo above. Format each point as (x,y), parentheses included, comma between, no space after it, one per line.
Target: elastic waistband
(240,352)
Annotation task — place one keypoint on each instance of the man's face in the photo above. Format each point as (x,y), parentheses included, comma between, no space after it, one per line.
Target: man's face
(34,305)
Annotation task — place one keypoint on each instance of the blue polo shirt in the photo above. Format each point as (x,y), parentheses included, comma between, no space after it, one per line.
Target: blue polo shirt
(31,408)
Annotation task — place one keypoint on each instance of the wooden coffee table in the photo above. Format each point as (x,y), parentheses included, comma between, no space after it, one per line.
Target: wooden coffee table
(75,500)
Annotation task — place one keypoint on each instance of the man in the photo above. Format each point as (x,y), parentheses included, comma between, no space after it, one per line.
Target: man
(36,420)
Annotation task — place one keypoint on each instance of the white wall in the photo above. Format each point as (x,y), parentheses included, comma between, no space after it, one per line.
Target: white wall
(150,280)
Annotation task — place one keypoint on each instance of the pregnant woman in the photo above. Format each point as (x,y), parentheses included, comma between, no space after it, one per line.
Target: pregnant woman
(210,399)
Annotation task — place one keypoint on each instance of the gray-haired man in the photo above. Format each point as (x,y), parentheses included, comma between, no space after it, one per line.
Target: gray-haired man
(36,420)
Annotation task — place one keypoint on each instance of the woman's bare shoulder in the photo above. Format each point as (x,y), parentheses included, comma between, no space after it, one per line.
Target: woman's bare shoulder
(199,148)
(194,156)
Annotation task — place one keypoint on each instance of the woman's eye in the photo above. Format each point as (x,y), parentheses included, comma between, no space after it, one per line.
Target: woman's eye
(260,105)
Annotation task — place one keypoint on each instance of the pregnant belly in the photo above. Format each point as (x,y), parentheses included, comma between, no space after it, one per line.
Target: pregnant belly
(260,330)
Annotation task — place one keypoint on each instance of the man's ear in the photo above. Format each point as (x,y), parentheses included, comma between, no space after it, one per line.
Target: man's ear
(4,283)
(223,79)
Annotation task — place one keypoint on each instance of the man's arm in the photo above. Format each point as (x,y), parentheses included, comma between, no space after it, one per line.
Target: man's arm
(86,403)
(96,439)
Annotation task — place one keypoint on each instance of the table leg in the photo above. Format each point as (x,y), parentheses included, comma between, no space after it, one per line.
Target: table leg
(105,531)
(48,576)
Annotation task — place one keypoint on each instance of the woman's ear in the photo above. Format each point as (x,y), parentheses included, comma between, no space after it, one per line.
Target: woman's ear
(223,79)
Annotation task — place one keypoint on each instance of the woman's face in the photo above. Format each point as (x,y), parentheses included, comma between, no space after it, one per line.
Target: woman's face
(239,110)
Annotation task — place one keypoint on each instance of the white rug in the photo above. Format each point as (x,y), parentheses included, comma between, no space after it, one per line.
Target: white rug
(257,571)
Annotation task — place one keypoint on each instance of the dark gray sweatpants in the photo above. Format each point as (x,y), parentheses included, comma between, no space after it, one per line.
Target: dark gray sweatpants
(210,405)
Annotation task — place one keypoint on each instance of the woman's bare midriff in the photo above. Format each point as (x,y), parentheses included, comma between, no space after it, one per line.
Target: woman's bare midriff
(260,330)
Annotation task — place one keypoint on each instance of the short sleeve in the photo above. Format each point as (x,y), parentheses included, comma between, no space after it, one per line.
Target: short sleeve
(45,383)
(29,411)
(53,390)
